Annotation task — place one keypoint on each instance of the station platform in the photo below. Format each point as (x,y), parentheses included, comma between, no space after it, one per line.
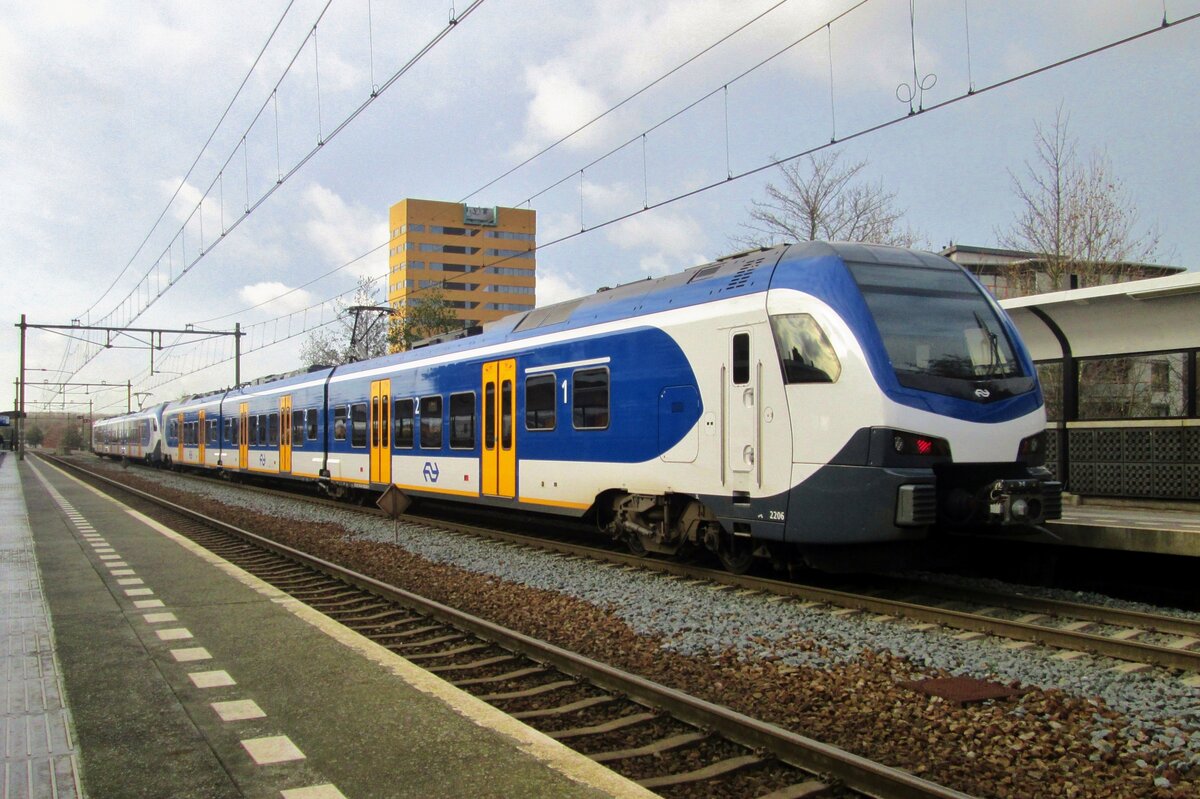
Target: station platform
(139,664)
(1128,528)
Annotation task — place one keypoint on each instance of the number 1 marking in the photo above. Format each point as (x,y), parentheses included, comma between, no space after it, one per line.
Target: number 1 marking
(564,387)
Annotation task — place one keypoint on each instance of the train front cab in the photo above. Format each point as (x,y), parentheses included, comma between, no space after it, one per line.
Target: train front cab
(935,420)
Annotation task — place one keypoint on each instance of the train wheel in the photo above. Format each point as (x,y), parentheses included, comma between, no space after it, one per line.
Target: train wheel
(636,547)
(736,555)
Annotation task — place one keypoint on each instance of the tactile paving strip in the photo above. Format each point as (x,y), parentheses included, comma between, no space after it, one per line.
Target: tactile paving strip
(39,754)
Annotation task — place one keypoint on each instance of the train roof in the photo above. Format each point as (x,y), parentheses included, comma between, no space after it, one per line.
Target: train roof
(735,275)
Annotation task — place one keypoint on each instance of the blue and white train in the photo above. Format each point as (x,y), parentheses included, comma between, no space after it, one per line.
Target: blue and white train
(768,404)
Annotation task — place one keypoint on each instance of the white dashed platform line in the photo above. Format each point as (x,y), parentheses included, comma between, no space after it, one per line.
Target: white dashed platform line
(159,618)
(123,573)
(190,654)
(238,710)
(116,564)
(272,749)
(211,679)
(139,591)
(146,604)
(131,581)
(326,791)
(174,634)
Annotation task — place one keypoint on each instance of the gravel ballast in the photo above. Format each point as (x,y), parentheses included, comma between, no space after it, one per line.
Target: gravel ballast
(1082,728)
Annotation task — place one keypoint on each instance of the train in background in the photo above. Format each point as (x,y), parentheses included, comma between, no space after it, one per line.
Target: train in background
(783,403)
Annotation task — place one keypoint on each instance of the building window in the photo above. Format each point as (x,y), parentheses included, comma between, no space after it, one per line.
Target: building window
(539,402)
(402,423)
(502,289)
(431,422)
(589,399)
(462,421)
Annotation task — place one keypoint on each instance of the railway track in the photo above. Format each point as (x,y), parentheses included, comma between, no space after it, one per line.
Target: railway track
(668,741)
(1139,638)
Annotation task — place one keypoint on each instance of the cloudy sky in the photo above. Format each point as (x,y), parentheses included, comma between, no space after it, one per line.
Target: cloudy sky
(106,104)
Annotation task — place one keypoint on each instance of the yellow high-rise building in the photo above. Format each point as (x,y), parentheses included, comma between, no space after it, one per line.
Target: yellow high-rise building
(482,258)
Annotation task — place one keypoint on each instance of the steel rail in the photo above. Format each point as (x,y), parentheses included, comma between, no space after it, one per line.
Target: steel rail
(1076,640)
(855,772)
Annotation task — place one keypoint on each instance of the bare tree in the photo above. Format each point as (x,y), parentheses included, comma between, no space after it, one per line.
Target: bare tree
(425,316)
(1076,215)
(822,198)
(352,337)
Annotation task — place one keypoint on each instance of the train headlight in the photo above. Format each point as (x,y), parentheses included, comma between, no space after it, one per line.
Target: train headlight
(1032,450)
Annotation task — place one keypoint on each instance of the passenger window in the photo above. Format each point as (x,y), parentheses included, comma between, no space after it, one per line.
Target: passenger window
(539,402)
(272,429)
(339,423)
(589,400)
(310,424)
(297,428)
(489,417)
(358,424)
(229,437)
(506,414)
(462,421)
(805,354)
(402,419)
(252,431)
(431,422)
(741,359)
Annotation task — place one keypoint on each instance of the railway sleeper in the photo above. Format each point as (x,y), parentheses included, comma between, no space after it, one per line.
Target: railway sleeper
(441,639)
(544,688)
(445,653)
(508,675)
(718,769)
(654,748)
(475,664)
(582,704)
(608,726)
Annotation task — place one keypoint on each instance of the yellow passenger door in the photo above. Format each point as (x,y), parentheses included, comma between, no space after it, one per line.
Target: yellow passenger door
(244,435)
(499,453)
(285,433)
(381,431)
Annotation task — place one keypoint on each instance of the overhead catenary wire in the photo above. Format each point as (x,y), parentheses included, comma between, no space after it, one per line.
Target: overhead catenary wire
(134,311)
(196,160)
(971,91)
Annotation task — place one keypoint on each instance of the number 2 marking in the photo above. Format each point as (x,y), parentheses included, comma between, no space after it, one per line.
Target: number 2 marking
(776,515)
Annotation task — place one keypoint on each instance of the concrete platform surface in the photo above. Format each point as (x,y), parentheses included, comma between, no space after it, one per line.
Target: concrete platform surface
(1129,529)
(187,677)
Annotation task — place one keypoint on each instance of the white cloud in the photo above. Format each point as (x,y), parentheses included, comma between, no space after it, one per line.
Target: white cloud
(555,287)
(278,298)
(560,104)
(343,231)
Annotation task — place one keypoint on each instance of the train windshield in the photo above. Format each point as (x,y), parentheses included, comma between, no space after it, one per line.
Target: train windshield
(936,324)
